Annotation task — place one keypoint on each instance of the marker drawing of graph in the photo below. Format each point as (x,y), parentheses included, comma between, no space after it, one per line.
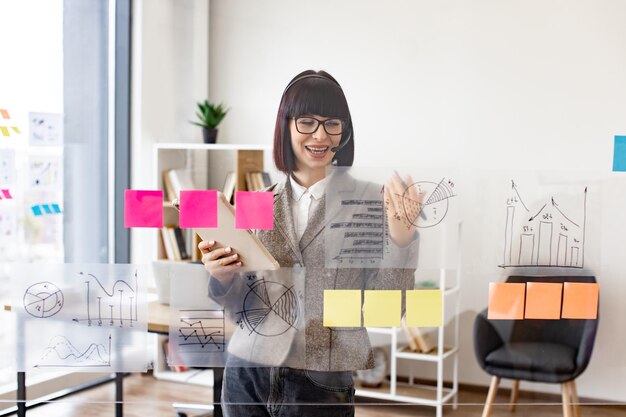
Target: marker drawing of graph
(269,308)
(544,236)
(113,306)
(60,352)
(43,300)
(201,331)
(431,206)
(364,232)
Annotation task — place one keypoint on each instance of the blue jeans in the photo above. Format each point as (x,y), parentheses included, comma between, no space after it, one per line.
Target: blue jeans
(286,392)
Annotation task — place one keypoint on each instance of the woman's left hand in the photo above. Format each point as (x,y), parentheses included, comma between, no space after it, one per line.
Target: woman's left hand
(401,229)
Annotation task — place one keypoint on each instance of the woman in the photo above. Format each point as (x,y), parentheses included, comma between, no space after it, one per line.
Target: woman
(313,131)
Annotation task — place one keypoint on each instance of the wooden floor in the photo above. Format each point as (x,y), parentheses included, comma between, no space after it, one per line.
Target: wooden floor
(146,397)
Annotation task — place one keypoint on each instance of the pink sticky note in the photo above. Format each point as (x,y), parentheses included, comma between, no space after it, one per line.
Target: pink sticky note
(143,208)
(198,208)
(254,210)
(6,194)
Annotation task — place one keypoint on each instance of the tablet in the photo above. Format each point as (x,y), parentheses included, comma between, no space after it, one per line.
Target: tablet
(252,253)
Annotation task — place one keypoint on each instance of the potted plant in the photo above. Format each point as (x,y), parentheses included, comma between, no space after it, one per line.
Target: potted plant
(209,116)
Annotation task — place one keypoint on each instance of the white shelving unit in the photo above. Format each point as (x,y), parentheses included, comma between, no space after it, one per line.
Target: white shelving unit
(430,395)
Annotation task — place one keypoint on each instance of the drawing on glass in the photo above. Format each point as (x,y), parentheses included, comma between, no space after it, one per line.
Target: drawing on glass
(202,331)
(269,308)
(545,235)
(43,300)
(44,171)
(114,306)
(365,234)
(432,204)
(362,225)
(46,129)
(7,167)
(62,353)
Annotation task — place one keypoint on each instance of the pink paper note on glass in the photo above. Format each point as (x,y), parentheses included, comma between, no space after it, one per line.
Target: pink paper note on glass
(198,208)
(6,194)
(254,210)
(143,208)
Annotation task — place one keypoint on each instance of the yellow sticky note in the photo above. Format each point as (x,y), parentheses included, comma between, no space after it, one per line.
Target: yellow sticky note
(4,130)
(342,308)
(382,308)
(424,308)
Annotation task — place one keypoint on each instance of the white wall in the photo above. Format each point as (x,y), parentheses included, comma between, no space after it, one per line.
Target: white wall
(474,85)
(169,75)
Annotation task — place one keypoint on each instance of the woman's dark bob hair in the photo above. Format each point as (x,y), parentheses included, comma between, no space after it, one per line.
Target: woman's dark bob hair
(319,94)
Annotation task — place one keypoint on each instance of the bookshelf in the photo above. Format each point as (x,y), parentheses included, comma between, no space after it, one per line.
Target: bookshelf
(208,164)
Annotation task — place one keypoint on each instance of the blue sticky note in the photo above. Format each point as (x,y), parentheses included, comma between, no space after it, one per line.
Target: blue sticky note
(46,208)
(619,154)
(56,208)
(36,210)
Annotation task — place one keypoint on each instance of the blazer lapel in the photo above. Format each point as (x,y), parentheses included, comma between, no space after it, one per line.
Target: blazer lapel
(283,219)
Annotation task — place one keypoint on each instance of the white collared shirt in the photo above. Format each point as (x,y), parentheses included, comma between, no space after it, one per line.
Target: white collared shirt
(305,202)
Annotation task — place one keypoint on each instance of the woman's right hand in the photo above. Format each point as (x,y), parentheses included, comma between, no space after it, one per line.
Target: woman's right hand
(222,263)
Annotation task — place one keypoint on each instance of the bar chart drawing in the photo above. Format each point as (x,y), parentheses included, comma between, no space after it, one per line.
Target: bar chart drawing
(548,236)
(114,307)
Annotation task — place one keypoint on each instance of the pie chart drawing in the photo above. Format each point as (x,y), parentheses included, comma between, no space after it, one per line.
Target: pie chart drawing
(43,300)
(270,308)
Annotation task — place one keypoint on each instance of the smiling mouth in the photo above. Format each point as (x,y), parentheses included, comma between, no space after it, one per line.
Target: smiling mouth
(317,150)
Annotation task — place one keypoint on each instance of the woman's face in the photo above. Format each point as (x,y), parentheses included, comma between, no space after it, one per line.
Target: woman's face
(313,150)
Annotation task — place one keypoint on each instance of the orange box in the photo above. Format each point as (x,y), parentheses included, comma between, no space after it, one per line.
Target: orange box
(580,300)
(506,301)
(543,300)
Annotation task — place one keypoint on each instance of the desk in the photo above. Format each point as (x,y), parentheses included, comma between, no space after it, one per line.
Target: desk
(158,322)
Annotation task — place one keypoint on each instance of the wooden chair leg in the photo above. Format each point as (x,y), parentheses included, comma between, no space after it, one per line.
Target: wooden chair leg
(575,400)
(491,396)
(514,390)
(565,395)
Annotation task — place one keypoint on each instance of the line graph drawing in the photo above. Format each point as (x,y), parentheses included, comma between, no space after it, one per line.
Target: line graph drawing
(115,307)
(61,352)
(43,300)
(201,330)
(269,308)
(549,236)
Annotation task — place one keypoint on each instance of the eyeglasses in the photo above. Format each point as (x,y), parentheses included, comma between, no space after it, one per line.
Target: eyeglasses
(309,125)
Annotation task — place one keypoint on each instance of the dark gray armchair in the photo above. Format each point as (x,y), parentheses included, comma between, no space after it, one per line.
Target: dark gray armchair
(555,351)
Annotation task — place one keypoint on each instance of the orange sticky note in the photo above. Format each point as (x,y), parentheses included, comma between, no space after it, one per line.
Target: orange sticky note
(506,301)
(543,300)
(382,308)
(580,300)
(4,113)
(424,308)
(342,308)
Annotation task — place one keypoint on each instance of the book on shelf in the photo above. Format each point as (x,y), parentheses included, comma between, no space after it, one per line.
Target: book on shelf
(419,341)
(267,181)
(180,241)
(168,244)
(257,180)
(176,180)
(174,243)
(229,186)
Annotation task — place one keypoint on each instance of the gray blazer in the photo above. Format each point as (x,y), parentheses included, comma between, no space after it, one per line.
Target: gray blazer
(325,348)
